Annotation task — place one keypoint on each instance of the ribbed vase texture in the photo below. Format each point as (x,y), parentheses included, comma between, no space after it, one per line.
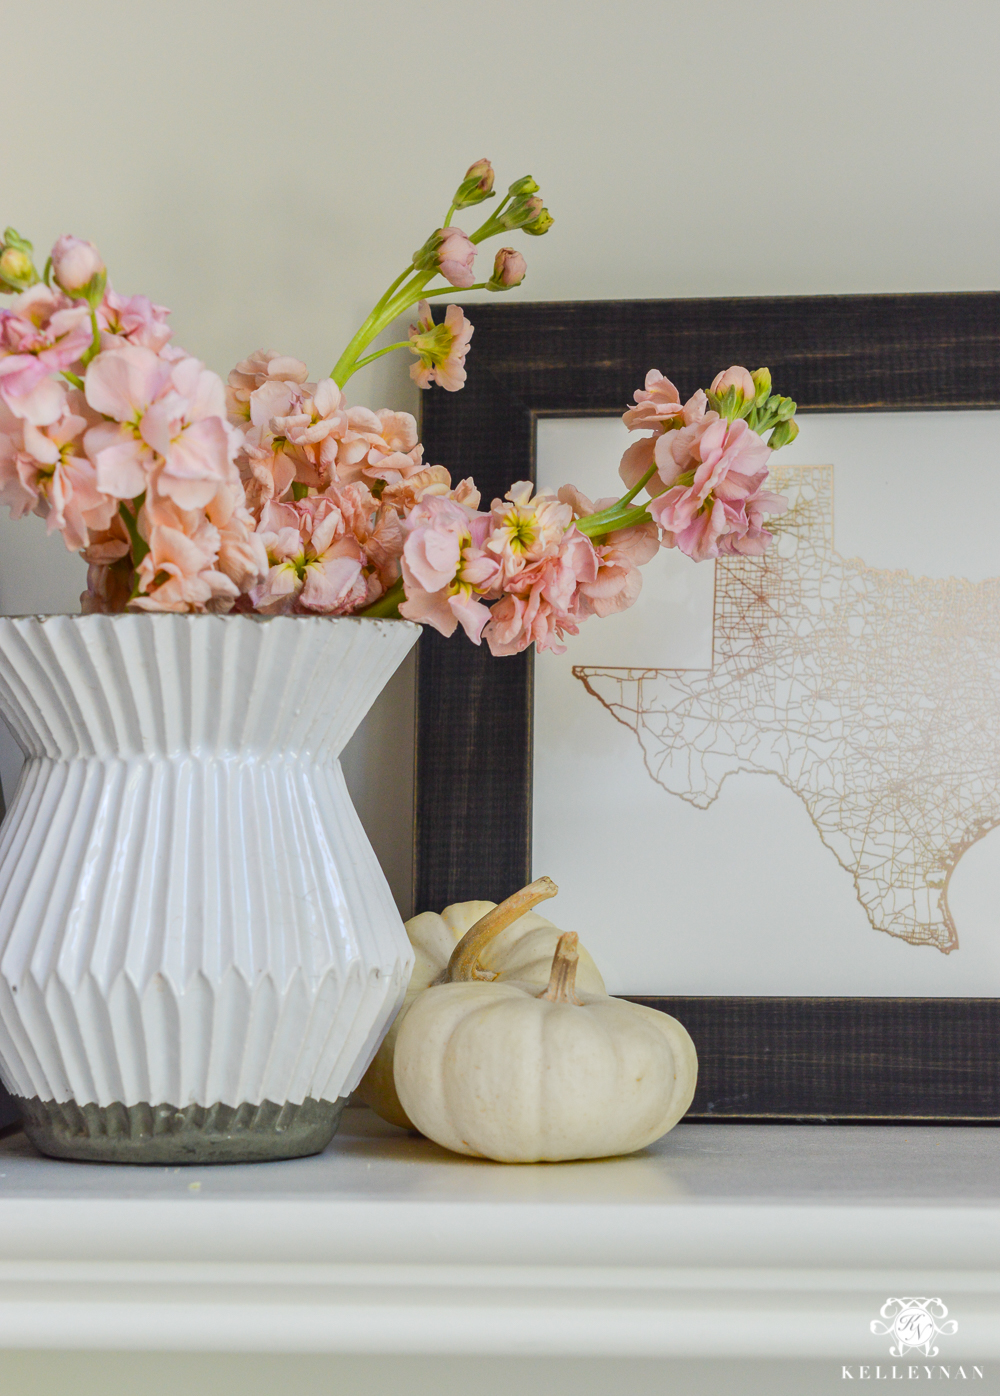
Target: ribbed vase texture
(191,914)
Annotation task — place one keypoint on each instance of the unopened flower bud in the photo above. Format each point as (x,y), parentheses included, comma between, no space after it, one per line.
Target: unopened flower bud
(784,407)
(476,186)
(509,268)
(762,382)
(735,377)
(77,267)
(426,257)
(17,271)
(521,212)
(520,187)
(539,226)
(783,433)
(732,393)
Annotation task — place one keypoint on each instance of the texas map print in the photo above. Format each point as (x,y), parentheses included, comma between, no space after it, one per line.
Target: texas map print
(873,695)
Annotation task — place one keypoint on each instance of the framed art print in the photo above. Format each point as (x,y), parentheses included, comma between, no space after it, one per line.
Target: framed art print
(770,791)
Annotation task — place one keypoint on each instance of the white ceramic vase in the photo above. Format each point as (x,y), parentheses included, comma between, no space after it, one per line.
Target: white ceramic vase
(199,953)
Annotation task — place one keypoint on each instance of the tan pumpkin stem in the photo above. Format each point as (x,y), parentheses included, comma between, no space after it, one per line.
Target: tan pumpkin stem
(464,962)
(562,980)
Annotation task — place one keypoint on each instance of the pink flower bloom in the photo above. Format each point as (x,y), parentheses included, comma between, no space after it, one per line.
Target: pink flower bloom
(315,564)
(748,534)
(543,601)
(177,573)
(441,348)
(445,570)
(526,529)
(76,265)
(656,405)
(122,383)
(266,469)
(42,333)
(618,581)
(265,367)
(379,445)
(428,482)
(187,428)
(639,458)
(132,320)
(456,256)
(710,469)
(44,473)
(171,418)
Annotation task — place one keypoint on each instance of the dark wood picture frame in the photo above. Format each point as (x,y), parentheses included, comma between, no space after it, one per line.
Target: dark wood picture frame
(761,1059)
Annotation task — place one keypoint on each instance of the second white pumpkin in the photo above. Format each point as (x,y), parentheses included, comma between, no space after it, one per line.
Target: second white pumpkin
(498,1070)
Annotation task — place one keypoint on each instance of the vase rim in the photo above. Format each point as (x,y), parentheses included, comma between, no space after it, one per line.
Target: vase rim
(42,617)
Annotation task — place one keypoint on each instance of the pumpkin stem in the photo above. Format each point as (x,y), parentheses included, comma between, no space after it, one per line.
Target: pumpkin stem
(464,962)
(562,980)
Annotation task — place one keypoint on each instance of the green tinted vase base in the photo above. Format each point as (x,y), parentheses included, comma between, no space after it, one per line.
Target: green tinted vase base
(169,1134)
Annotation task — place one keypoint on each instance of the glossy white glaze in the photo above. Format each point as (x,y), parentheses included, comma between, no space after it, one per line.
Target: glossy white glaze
(190,911)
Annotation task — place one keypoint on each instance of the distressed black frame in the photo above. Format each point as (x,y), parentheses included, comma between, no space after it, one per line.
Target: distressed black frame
(781,1059)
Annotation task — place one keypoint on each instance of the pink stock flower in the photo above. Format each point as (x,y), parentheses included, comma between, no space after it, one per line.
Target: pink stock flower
(132,320)
(710,470)
(545,563)
(315,564)
(748,535)
(76,265)
(263,369)
(526,529)
(441,348)
(656,405)
(445,570)
(41,470)
(267,394)
(430,481)
(171,420)
(618,581)
(177,574)
(639,458)
(122,383)
(379,445)
(312,430)
(456,256)
(545,603)
(41,334)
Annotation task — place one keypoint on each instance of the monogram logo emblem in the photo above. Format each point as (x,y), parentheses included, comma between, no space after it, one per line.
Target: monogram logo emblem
(914,1323)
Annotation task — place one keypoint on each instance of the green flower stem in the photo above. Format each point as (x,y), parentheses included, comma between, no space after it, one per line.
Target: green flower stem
(491,227)
(454,290)
(597,526)
(95,343)
(387,606)
(451,213)
(387,297)
(139,545)
(627,498)
(370,358)
(383,314)
(73,378)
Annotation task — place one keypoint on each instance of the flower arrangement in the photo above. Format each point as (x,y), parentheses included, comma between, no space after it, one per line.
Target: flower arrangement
(271,494)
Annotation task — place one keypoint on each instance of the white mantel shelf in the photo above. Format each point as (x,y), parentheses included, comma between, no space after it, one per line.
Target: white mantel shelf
(722,1240)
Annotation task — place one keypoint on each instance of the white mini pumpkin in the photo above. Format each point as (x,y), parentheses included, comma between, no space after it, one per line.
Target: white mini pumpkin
(498,1070)
(481,940)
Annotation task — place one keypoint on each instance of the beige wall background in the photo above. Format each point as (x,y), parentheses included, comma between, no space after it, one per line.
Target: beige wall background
(265,169)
